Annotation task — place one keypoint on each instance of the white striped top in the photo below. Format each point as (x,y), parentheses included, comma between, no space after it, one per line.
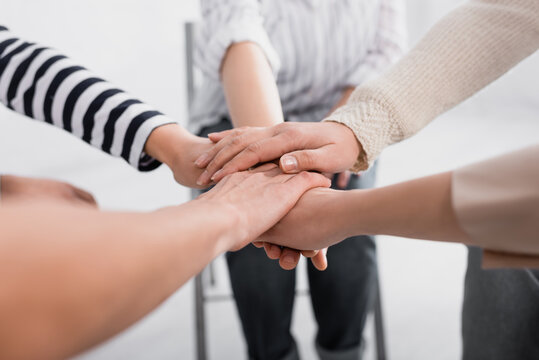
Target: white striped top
(45,85)
(316,49)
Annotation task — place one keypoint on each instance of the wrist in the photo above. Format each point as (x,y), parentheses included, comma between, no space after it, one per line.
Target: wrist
(352,212)
(165,142)
(228,224)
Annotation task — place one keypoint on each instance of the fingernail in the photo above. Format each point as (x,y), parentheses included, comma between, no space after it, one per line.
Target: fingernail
(289,163)
(201,160)
(216,175)
(202,179)
(289,259)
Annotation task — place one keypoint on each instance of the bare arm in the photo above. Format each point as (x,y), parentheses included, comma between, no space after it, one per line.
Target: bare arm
(417,209)
(73,277)
(250,89)
(472,205)
(76,277)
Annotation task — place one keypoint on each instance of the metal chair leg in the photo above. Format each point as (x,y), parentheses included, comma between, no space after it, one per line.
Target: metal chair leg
(200,320)
(379,324)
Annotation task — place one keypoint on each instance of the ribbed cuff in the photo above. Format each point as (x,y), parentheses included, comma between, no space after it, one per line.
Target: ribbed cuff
(373,127)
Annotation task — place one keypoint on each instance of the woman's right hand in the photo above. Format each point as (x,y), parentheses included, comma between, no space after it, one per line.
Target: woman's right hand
(325,147)
(258,199)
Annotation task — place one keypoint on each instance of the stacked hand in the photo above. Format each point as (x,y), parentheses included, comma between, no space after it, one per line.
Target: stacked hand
(324,147)
(260,198)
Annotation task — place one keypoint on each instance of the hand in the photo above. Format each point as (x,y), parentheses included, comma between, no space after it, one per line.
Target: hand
(289,258)
(178,149)
(19,188)
(260,198)
(325,147)
(323,207)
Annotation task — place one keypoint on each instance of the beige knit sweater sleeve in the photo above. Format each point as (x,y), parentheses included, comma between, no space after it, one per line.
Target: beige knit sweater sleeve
(466,50)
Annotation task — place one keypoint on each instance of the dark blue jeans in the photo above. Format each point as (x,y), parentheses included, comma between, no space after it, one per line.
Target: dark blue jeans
(341,296)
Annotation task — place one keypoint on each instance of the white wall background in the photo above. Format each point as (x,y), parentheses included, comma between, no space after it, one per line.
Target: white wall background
(138,44)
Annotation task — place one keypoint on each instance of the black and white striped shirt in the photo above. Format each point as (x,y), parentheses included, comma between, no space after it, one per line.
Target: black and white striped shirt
(45,85)
(316,48)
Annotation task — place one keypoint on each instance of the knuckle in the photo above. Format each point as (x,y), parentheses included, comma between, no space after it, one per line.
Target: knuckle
(293,132)
(281,127)
(254,148)
(307,159)
(305,175)
(236,141)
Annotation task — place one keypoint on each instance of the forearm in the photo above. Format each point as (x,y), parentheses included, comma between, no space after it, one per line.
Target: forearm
(74,277)
(250,89)
(45,85)
(420,209)
(454,60)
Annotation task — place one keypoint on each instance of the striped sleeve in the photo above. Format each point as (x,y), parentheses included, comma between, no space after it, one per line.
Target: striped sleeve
(226,22)
(45,85)
(389,42)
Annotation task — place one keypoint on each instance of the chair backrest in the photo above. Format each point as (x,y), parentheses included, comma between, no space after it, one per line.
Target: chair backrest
(189,61)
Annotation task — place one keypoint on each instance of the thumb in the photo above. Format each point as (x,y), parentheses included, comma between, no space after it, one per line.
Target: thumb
(304,160)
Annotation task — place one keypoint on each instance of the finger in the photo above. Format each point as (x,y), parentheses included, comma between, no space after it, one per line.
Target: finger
(258,244)
(85,196)
(203,160)
(272,251)
(305,181)
(328,175)
(343,179)
(234,145)
(309,253)
(261,151)
(266,167)
(305,160)
(320,261)
(289,258)
(218,136)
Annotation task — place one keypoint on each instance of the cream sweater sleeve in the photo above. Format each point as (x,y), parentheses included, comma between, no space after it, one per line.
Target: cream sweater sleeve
(466,50)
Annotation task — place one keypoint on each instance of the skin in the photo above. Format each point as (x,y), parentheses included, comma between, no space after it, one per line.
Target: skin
(325,147)
(418,209)
(253,100)
(250,90)
(69,281)
(18,188)
(178,149)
